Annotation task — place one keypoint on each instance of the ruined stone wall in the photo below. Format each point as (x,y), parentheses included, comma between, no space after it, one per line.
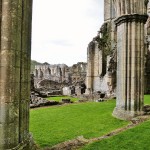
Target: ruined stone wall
(94,65)
(78,72)
(99,75)
(101,72)
(49,77)
(147,55)
(57,73)
(109,42)
(109,10)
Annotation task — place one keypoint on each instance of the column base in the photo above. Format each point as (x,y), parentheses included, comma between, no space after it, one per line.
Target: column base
(126,115)
(28,144)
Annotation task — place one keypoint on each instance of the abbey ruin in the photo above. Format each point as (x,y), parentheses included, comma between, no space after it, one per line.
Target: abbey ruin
(118,57)
(124,37)
(60,77)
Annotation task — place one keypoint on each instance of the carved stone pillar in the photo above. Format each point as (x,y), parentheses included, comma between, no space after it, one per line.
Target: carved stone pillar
(130,57)
(15,41)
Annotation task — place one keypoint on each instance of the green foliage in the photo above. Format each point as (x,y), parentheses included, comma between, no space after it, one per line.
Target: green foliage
(105,40)
(57,124)
(58,98)
(132,139)
(146,3)
(105,43)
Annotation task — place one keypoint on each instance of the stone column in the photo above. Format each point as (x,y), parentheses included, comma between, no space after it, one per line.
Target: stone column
(97,65)
(90,68)
(15,42)
(130,57)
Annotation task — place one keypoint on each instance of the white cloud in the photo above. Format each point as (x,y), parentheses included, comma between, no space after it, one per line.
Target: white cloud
(62,29)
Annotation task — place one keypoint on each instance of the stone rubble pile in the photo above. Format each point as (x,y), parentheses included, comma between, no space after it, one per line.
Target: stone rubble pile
(36,101)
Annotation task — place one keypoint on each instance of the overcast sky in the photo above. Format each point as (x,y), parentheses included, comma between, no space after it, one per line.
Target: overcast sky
(62,29)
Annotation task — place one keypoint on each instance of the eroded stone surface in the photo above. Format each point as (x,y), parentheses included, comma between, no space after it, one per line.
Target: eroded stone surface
(15,22)
(15,50)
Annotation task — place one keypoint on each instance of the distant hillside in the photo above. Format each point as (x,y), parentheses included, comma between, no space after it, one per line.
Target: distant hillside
(33,63)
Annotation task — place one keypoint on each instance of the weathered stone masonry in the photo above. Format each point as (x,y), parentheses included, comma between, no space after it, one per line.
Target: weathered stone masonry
(94,59)
(15,42)
(101,59)
(123,39)
(130,19)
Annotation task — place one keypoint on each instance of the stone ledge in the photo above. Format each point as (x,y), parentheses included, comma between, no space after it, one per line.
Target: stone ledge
(131,18)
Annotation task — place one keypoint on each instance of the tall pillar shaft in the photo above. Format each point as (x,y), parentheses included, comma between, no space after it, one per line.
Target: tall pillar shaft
(94,66)
(130,58)
(15,45)
(90,69)
(97,65)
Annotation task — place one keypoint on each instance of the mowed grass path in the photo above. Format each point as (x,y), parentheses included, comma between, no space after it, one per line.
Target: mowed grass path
(59,98)
(53,125)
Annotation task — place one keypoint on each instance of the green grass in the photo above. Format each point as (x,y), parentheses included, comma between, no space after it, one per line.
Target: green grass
(58,98)
(132,139)
(57,124)
(147,99)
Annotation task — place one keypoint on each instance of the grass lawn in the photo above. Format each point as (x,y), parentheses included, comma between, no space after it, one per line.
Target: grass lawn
(56,124)
(58,98)
(132,139)
(147,99)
